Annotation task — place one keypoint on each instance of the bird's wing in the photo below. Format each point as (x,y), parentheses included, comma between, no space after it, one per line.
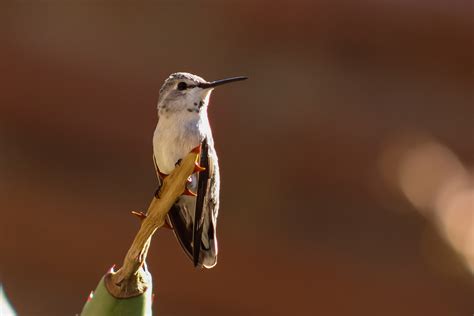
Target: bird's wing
(194,219)
(207,205)
(203,188)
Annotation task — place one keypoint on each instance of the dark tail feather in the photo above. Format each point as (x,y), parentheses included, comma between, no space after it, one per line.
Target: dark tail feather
(183,233)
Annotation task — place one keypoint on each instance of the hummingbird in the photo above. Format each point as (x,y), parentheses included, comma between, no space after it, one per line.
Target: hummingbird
(183,125)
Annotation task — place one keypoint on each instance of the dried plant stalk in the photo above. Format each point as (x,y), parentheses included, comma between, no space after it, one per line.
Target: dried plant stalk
(132,279)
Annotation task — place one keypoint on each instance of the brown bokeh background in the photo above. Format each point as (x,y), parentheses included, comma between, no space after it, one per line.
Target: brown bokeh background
(311,221)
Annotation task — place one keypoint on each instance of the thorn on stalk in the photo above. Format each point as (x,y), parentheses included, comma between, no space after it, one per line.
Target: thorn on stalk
(197,149)
(90,297)
(188,192)
(140,215)
(167,225)
(198,168)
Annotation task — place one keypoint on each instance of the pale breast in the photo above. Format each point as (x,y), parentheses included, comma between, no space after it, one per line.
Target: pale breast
(174,138)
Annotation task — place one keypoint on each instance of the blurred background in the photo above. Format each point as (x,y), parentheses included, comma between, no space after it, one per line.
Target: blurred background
(347,159)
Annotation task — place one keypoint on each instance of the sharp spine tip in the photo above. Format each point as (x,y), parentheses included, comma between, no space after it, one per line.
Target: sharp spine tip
(188,192)
(140,215)
(91,296)
(167,225)
(198,168)
(197,149)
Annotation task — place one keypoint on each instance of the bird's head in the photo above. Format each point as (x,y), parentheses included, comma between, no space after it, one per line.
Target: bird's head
(183,91)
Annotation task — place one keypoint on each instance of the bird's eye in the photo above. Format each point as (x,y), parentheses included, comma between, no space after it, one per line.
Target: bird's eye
(182,85)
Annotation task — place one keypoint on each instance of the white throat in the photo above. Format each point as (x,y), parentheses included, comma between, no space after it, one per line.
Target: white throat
(177,133)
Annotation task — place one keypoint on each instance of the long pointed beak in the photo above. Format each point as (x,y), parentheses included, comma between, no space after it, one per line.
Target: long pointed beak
(212,84)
